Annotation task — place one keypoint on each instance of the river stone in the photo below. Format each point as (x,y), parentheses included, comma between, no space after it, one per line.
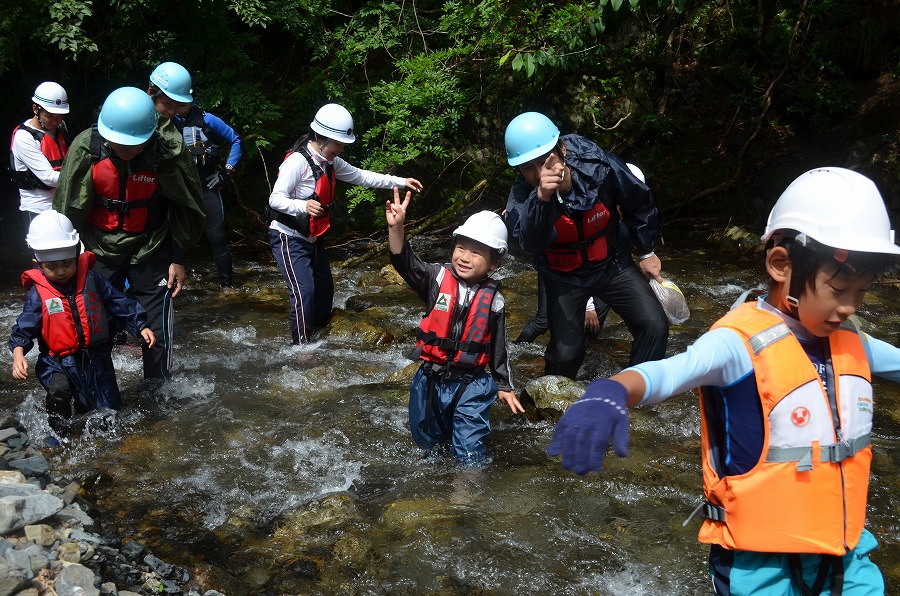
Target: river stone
(12,578)
(12,477)
(405,375)
(354,326)
(69,552)
(412,518)
(41,534)
(554,392)
(16,512)
(76,580)
(36,465)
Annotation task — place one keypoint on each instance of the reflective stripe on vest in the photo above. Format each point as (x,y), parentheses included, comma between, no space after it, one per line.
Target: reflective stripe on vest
(809,462)
(581,240)
(63,333)
(440,338)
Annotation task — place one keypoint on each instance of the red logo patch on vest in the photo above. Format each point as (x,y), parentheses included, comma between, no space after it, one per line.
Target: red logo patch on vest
(800,416)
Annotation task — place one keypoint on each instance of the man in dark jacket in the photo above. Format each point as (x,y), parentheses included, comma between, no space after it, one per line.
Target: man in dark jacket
(579,210)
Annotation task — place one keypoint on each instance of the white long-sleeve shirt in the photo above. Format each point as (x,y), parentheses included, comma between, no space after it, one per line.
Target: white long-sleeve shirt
(27,155)
(296,183)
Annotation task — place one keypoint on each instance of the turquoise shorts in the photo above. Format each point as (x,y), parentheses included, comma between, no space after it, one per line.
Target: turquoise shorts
(743,573)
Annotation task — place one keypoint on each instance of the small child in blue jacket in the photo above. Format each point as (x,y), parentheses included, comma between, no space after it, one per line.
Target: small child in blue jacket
(69,310)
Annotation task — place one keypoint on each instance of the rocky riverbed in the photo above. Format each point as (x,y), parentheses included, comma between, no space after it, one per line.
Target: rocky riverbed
(50,542)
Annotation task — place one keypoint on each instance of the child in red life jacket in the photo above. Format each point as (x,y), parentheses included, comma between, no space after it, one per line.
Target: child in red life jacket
(786,401)
(69,310)
(464,330)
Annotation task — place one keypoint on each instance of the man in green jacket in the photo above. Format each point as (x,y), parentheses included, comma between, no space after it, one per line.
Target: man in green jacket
(133,193)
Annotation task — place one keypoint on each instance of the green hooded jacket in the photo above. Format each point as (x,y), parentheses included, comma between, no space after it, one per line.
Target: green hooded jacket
(166,154)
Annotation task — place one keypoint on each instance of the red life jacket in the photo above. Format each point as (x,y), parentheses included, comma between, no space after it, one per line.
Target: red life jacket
(580,239)
(133,205)
(323,193)
(62,332)
(439,339)
(53,148)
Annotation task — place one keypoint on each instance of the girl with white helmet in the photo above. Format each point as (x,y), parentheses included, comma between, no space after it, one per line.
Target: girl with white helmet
(38,147)
(786,401)
(299,211)
(463,331)
(70,310)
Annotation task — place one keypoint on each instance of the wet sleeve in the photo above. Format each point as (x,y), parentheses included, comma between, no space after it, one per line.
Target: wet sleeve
(637,205)
(533,220)
(27,327)
(418,274)
(75,190)
(121,308)
(718,358)
(500,367)
(294,175)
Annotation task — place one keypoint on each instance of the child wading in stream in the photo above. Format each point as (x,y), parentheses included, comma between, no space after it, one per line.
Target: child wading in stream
(464,330)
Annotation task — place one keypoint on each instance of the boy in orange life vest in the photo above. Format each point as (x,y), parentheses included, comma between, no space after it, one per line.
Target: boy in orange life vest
(38,147)
(786,401)
(464,330)
(68,310)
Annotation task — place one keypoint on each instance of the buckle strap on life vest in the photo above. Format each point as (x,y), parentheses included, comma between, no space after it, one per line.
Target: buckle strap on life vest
(122,207)
(834,453)
(471,347)
(707,510)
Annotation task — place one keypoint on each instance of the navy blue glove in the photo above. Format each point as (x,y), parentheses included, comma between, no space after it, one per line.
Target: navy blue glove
(583,433)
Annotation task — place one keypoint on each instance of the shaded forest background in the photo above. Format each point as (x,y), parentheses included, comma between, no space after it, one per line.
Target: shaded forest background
(720,103)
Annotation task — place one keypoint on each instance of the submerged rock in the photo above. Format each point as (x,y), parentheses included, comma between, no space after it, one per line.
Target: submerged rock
(549,396)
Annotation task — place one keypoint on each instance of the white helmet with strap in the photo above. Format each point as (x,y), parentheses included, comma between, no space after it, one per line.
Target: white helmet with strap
(839,208)
(51,97)
(334,122)
(52,237)
(487,228)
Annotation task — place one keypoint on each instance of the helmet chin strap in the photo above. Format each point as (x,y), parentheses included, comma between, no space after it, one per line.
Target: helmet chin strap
(795,290)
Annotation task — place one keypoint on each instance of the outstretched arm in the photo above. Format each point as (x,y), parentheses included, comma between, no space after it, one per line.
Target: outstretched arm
(395,214)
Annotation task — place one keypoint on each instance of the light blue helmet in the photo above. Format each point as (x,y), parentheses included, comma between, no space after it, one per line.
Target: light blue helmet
(128,117)
(174,80)
(528,136)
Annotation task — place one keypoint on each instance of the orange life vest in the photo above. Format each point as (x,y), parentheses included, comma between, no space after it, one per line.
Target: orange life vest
(441,338)
(133,205)
(807,494)
(62,332)
(53,147)
(579,238)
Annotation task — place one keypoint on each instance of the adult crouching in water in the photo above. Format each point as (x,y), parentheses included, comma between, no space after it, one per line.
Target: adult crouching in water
(132,192)
(300,214)
(564,209)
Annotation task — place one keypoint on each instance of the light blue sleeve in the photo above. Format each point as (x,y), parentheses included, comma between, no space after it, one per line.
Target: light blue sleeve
(718,358)
(884,359)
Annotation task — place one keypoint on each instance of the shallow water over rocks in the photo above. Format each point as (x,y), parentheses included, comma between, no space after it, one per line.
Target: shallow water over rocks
(269,469)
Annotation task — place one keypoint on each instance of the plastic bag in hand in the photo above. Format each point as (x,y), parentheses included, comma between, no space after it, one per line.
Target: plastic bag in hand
(672,301)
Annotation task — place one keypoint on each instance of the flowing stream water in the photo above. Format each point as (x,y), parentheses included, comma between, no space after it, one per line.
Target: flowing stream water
(270,469)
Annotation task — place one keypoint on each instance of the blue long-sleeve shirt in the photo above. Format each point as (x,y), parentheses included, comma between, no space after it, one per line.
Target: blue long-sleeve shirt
(223,136)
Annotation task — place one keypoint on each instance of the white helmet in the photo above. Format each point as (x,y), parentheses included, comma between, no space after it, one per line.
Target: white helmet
(486,227)
(836,207)
(335,122)
(51,97)
(637,172)
(52,237)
